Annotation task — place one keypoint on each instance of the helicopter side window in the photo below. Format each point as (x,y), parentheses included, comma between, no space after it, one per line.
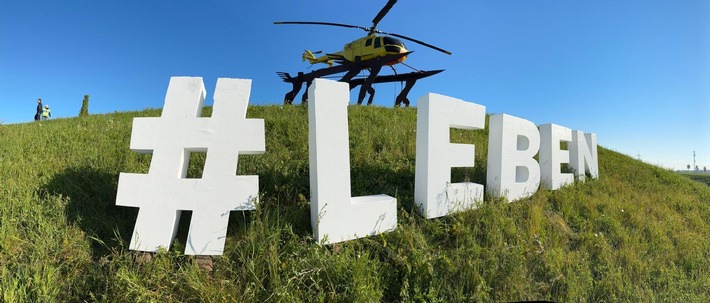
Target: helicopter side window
(368,42)
(377,43)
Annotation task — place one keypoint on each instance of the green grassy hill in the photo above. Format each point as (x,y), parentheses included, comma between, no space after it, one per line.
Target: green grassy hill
(700,177)
(637,234)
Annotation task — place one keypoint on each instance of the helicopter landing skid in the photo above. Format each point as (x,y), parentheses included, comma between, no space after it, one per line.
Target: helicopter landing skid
(409,79)
(352,69)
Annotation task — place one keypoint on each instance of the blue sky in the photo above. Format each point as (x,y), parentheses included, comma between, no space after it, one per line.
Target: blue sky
(636,73)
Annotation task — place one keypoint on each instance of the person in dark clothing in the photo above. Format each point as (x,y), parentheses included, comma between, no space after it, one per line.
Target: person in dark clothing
(40,109)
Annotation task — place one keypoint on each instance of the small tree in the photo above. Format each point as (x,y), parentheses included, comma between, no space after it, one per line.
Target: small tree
(84,107)
(688,166)
(705,169)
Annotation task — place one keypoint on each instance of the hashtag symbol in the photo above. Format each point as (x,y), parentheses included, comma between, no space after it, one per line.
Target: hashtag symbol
(165,191)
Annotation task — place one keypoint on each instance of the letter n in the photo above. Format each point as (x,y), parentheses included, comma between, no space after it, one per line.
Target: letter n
(583,154)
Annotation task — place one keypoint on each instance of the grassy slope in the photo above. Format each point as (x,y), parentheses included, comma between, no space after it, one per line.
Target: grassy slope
(700,177)
(639,233)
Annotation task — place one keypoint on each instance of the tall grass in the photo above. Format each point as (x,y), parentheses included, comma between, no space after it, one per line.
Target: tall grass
(638,233)
(700,177)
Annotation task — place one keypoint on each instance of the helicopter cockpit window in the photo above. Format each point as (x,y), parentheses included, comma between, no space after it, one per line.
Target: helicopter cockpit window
(377,43)
(392,41)
(368,42)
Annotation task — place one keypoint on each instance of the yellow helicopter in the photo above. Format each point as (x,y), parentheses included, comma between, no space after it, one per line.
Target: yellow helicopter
(366,48)
(371,52)
(362,49)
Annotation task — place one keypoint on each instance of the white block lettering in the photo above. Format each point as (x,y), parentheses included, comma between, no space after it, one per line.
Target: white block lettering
(552,156)
(436,155)
(335,216)
(512,171)
(583,154)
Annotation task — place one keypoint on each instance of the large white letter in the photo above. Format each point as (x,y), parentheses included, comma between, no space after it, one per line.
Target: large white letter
(335,216)
(552,156)
(583,154)
(436,155)
(512,170)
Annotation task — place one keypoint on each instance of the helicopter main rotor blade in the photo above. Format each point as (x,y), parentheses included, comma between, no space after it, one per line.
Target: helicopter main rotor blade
(417,41)
(382,14)
(323,23)
(370,30)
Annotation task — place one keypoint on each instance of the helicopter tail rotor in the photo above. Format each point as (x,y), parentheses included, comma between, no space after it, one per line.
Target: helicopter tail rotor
(308,55)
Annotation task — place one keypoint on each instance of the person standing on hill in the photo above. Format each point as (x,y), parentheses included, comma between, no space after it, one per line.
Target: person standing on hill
(38,114)
(46,113)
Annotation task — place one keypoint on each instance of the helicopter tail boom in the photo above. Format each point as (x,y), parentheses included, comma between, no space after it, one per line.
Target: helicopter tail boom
(311,57)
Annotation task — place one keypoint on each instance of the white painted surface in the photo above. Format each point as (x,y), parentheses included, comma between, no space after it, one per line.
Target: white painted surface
(512,171)
(552,156)
(164,192)
(583,154)
(436,155)
(335,215)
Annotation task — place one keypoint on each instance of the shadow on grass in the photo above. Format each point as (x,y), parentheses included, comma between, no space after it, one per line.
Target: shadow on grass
(285,198)
(290,193)
(92,206)
(372,180)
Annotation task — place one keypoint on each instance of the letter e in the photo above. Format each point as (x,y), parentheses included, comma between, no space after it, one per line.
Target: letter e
(552,156)
(436,155)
